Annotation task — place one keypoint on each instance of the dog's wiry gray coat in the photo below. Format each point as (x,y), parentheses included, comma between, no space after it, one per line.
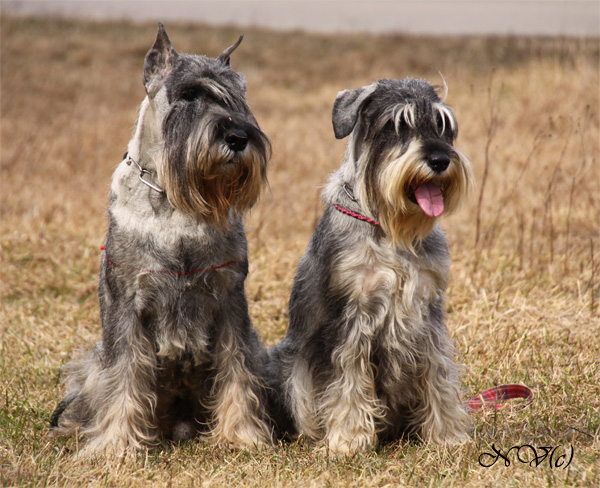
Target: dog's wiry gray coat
(367,354)
(178,353)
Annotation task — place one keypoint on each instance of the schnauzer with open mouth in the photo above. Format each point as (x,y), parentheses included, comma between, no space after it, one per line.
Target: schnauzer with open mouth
(178,353)
(367,355)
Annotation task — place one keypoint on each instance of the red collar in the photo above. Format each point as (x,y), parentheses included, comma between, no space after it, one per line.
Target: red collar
(355,215)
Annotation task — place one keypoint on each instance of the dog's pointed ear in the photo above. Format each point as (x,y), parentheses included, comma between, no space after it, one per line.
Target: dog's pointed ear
(159,62)
(346,108)
(225,55)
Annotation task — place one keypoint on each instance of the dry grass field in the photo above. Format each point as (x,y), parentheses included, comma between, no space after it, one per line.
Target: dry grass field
(524,298)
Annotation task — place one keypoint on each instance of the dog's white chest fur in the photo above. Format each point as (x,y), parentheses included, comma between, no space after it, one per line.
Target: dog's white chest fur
(377,278)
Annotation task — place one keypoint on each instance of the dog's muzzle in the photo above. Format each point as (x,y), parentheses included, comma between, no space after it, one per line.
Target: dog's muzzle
(428,195)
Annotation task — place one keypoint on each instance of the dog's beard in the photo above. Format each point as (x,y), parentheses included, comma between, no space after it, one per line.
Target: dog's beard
(203,178)
(402,195)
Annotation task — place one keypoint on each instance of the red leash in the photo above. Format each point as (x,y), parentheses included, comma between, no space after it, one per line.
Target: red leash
(496,396)
(177,273)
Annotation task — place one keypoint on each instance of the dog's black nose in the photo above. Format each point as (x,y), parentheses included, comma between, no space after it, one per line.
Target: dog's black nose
(236,139)
(438,161)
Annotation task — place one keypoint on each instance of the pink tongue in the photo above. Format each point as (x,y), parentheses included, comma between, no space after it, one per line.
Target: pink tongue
(429,198)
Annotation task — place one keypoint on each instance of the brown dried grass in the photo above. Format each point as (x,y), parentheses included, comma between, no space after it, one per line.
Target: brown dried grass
(525,287)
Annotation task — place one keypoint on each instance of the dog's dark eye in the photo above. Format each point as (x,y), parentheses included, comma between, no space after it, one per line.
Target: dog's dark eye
(445,125)
(192,93)
(442,124)
(402,125)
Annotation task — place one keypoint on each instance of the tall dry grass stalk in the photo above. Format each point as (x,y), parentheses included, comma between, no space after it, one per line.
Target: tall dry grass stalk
(491,129)
(526,312)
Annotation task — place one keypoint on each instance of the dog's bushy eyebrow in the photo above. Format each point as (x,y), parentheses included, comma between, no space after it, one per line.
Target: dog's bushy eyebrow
(446,116)
(403,112)
(203,88)
(397,114)
(406,113)
(195,78)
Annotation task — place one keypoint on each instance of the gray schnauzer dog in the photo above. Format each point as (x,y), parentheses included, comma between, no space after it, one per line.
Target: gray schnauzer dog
(178,353)
(367,356)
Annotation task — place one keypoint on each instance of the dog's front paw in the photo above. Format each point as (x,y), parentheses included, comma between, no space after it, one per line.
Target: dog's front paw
(241,434)
(105,447)
(455,439)
(451,433)
(339,443)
